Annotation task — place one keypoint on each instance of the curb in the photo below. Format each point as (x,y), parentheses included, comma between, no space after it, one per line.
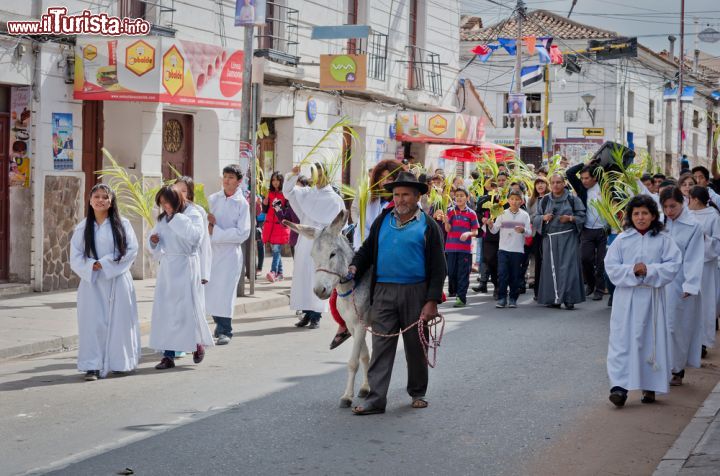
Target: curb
(692,436)
(65,343)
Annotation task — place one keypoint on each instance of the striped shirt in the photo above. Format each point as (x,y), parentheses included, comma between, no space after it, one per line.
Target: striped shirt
(461,221)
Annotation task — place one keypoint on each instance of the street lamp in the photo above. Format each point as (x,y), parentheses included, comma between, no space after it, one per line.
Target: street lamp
(588,98)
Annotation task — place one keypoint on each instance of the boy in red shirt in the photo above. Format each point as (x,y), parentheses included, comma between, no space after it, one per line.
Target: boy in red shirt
(461,225)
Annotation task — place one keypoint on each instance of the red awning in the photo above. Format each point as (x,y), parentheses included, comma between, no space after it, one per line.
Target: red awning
(478,152)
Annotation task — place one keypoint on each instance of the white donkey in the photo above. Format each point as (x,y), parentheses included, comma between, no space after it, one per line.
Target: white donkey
(332,255)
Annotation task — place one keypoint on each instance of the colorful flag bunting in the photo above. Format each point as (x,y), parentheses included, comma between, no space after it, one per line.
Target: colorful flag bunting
(530,44)
(543,54)
(556,56)
(508,44)
(531,74)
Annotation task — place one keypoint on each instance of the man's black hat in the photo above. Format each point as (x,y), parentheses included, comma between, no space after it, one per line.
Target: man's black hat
(407,179)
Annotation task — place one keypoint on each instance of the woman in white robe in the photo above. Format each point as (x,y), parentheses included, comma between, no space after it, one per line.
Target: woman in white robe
(317,207)
(109,332)
(230,223)
(641,262)
(709,219)
(178,320)
(682,294)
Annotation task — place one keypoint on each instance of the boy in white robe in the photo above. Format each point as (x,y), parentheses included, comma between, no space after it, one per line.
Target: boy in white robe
(641,262)
(229,227)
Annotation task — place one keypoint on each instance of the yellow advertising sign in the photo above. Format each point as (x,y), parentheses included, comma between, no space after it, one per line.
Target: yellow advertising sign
(437,124)
(594,132)
(140,57)
(343,72)
(173,71)
(90,52)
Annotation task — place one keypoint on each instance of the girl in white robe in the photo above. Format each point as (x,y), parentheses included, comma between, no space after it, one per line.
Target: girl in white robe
(178,320)
(682,294)
(709,218)
(641,262)
(315,206)
(109,332)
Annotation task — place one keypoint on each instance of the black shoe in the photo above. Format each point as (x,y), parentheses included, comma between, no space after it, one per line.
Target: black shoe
(703,352)
(648,397)
(610,301)
(554,306)
(482,288)
(618,396)
(589,290)
(92,375)
(303,322)
(452,295)
(569,306)
(495,295)
(522,290)
(314,324)
(597,296)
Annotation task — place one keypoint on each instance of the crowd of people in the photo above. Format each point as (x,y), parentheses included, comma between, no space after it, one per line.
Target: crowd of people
(660,273)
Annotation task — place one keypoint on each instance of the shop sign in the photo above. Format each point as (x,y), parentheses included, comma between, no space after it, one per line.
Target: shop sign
(158,70)
(139,57)
(343,72)
(62,140)
(20,120)
(594,132)
(311,109)
(439,128)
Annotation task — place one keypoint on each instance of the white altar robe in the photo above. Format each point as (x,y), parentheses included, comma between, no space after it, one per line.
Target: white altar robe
(317,208)
(232,228)
(109,332)
(709,219)
(684,321)
(638,349)
(178,321)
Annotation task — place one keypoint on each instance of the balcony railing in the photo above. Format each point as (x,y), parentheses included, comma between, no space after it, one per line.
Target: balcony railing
(375,46)
(278,40)
(528,121)
(161,13)
(424,70)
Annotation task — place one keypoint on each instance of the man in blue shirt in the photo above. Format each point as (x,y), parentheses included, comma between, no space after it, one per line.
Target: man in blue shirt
(404,251)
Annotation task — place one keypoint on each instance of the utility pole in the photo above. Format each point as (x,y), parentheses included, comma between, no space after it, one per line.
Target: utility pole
(680,79)
(546,119)
(518,66)
(246,119)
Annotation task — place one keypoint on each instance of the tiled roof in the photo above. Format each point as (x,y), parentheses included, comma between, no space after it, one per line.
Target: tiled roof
(705,71)
(538,23)
(471,23)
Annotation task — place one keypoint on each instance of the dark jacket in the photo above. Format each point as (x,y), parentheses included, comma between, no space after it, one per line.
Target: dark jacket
(435,265)
(576,183)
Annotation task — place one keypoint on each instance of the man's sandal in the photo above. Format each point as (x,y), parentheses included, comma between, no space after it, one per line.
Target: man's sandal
(367,410)
(419,403)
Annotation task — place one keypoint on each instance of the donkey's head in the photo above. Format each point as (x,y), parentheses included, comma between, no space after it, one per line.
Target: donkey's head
(331,253)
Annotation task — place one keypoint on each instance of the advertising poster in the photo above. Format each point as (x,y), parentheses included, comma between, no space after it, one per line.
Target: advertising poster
(516,104)
(250,12)
(439,128)
(158,70)
(62,140)
(20,119)
(343,72)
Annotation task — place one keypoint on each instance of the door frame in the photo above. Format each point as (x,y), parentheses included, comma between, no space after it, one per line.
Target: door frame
(5,199)
(93,124)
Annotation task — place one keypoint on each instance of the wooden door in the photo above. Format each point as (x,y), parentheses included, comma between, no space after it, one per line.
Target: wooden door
(5,197)
(92,142)
(177,149)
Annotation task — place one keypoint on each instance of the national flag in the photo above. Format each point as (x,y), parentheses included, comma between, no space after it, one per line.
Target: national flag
(545,41)
(483,52)
(715,95)
(508,44)
(556,56)
(543,54)
(530,75)
(530,44)
(670,94)
(688,94)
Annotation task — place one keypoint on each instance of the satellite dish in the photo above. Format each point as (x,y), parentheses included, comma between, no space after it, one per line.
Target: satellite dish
(709,35)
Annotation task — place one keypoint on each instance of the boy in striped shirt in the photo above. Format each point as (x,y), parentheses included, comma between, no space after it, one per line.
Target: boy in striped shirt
(461,224)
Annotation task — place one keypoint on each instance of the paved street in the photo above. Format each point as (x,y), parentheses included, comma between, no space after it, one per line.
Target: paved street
(510,388)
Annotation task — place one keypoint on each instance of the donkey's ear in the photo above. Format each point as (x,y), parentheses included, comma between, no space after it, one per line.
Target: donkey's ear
(308,231)
(338,223)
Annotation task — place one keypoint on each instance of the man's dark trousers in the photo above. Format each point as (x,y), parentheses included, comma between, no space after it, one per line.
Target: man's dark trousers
(509,274)
(593,243)
(396,306)
(459,266)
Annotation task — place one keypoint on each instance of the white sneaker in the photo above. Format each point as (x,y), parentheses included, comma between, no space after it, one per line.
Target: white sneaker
(223,340)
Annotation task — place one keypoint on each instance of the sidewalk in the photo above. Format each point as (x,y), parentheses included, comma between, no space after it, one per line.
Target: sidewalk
(36,323)
(697,450)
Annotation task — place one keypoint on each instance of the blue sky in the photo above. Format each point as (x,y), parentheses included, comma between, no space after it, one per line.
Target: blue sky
(650,20)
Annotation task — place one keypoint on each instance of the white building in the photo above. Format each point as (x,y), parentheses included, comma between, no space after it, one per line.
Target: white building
(413,63)
(626,95)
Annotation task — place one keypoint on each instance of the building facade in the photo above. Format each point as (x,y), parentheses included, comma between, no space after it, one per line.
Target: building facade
(52,133)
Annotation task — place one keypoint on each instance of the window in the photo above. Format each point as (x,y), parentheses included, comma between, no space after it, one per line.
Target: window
(696,119)
(651,112)
(631,104)
(533,103)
